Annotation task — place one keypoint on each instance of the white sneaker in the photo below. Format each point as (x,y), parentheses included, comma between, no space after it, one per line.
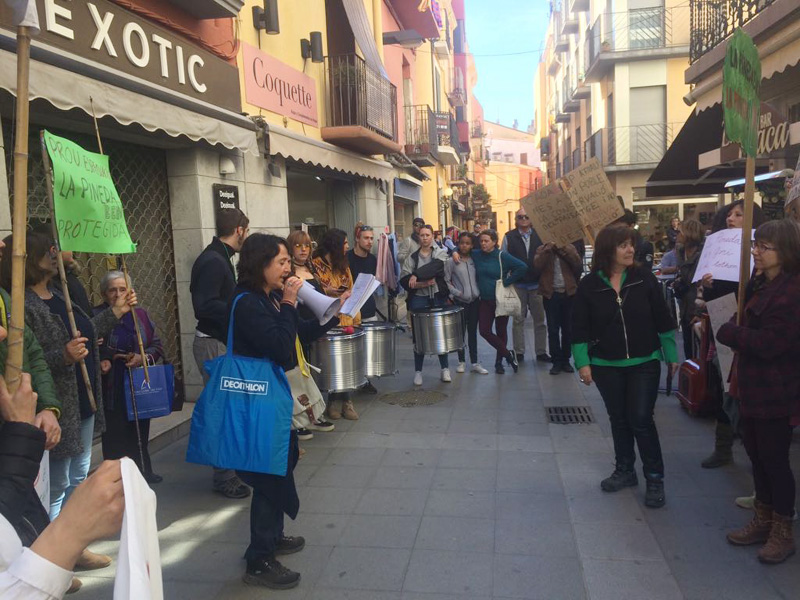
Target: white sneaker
(418,378)
(461,367)
(477,368)
(446,376)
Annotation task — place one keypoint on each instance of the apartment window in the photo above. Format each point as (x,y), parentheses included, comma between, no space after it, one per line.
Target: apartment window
(647,137)
(646,22)
(523,158)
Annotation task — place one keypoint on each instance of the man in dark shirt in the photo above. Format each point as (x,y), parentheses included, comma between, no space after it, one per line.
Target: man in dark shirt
(212,284)
(362,260)
(644,248)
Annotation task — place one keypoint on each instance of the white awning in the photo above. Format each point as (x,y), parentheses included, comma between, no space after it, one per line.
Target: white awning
(67,90)
(289,144)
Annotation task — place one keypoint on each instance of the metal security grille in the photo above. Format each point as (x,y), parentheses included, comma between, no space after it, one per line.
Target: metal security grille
(570,415)
(140,175)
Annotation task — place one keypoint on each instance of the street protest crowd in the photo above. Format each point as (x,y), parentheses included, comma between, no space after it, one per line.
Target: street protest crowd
(613,324)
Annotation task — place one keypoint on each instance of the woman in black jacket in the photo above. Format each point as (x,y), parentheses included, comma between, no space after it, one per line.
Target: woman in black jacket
(266,325)
(621,329)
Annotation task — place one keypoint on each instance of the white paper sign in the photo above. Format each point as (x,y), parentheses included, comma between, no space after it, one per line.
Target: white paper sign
(720,312)
(364,286)
(42,483)
(139,562)
(721,256)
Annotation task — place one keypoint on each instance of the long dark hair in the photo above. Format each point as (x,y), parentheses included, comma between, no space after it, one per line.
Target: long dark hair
(606,243)
(720,219)
(258,251)
(331,247)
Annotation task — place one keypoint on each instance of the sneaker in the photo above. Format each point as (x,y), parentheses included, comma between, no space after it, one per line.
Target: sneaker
(334,412)
(321,426)
(545,357)
(349,411)
(619,480)
(478,368)
(368,388)
(654,496)
(304,434)
(446,376)
(270,573)
(233,488)
(418,378)
(461,368)
(556,369)
(289,545)
(567,368)
(512,360)
(746,502)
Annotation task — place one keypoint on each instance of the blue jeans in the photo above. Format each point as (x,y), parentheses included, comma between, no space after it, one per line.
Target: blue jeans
(67,473)
(558,309)
(418,303)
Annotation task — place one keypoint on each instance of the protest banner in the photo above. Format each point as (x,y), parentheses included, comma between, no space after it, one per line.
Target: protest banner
(88,210)
(577,206)
(720,312)
(721,256)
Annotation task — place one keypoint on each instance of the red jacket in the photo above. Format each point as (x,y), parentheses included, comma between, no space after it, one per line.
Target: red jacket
(768,347)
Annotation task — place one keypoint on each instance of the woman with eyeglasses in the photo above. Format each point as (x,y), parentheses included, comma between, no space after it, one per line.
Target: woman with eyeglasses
(766,380)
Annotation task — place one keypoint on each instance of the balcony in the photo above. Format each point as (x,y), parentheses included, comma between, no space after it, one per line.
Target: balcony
(571,102)
(571,23)
(633,147)
(577,6)
(567,165)
(593,147)
(712,22)
(476,131)
(447,139)
(422,144)
(639,34)
(361,111)
(582,91)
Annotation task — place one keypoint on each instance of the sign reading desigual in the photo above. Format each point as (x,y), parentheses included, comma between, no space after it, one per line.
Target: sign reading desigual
(741,82)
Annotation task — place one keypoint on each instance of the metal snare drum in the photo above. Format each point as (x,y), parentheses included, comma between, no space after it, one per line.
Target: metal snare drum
(341,358)
(438,330)
(381,345)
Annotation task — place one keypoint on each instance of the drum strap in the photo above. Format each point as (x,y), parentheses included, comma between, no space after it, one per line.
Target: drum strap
(301,359)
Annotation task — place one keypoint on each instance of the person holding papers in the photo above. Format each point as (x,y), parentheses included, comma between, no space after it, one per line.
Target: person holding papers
(362,260)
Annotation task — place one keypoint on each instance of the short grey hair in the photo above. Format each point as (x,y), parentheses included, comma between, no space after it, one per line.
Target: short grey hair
(105,282)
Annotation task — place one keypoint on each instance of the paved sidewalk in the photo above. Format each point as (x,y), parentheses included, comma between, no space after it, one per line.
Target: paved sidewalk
(475,497)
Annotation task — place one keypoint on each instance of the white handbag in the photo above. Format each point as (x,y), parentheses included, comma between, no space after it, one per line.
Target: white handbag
(508,302)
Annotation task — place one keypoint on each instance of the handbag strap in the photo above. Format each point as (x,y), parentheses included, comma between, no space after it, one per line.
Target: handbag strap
(229,347)
(500,260)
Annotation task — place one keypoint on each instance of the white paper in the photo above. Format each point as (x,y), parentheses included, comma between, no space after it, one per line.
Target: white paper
(364,286)
(721,256)
(42,483)
(139,562)
(720,312)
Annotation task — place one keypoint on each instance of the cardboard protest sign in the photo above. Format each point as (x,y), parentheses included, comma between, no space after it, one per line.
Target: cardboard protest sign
(583,200)
(88,209)
(721,256)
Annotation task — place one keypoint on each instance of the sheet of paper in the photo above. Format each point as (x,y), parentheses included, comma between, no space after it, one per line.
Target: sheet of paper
(42,483)
(721,256)
(364,286)
(720,311)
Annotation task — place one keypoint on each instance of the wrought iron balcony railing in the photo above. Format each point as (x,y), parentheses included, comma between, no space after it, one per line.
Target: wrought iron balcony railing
(421,139)
(447,130)
(712,21)
(632,145)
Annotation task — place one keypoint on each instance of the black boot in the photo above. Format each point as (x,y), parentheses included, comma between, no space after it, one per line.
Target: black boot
(512,360)
(621,478)
(268,572)
(654,496)
(498,367)
(723,447)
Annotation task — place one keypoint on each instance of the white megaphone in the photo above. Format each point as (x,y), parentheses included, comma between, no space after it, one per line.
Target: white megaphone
(324,307)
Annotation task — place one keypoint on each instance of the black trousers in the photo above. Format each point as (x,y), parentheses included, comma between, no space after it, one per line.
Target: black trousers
(767,443)
(470,322)
(558,309)
(266,517)
(120,440)
(629,394)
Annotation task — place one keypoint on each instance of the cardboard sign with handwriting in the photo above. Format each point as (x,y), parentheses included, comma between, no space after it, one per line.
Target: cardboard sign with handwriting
(721,256)
(553,216)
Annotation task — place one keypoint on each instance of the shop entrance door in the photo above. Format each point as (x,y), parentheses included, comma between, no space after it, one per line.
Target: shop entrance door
(344,206)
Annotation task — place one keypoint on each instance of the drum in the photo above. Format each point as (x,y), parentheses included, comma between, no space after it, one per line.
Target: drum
(438,330)
(342,360)
(381,343)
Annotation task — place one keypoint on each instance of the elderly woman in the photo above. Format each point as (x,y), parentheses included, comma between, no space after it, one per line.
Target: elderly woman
(119,352)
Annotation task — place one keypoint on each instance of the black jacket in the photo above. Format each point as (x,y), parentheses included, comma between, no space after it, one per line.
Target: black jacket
(614,331)
(516,248)
(432,270)
(212,284)
(21,450)
(644,252)
(78,293)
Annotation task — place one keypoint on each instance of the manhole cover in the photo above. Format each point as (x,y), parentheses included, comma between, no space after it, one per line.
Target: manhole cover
(412,398)
(570,415)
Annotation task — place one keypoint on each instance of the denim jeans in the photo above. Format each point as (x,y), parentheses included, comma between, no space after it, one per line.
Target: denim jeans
(418,303)
(559,326)
(629,394)
(470,320)
(67,473)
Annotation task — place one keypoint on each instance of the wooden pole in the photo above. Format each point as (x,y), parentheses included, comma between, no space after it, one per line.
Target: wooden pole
(62,272)
(19,224)
(747,229)
(124,265)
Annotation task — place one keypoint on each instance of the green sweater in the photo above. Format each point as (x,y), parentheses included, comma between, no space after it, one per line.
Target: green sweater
(487,269)
(668,351)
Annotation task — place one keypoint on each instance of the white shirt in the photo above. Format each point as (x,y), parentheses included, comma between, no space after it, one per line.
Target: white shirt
(24,575)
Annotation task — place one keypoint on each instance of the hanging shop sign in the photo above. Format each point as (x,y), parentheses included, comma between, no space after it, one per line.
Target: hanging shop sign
(275,86)
(225,196)
(107,34)
(773,134)
(741,82)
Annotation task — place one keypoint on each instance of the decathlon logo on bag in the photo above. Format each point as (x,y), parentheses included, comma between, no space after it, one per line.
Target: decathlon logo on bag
(231,384)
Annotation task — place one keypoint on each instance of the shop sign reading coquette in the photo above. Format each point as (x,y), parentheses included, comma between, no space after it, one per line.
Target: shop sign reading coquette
(275,86)
(105,33)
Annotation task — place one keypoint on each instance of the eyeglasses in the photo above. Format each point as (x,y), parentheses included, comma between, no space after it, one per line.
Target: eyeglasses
(523,217)
(761,247)
(302,246)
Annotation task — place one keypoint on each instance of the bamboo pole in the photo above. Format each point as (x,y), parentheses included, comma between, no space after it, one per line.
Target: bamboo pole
(747,229)
(16,323)
(62,272)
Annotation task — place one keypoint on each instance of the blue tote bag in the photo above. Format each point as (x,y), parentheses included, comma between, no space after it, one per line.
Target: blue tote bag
(153,399)
(243,416)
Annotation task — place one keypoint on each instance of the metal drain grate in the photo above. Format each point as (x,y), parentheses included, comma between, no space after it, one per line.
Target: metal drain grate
(412,398)
(570,415)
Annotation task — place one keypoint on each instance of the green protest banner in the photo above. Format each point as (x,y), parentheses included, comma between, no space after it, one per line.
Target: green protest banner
(88,210)
(741,81)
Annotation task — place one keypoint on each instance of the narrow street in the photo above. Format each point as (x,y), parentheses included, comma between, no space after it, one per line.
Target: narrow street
(475,496)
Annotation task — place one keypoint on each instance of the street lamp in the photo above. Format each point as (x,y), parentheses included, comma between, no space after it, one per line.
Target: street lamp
(444,203)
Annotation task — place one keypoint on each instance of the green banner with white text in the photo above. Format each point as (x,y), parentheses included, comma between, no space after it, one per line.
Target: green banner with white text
(741,84)
(88,209)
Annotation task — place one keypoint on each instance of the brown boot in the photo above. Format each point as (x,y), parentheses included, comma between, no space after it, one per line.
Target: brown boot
(334,412)
(348,411)
(756,531)
(780,544)
(89,561)
(74,586)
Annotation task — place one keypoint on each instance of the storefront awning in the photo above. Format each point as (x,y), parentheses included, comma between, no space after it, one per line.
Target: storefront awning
(739,183)
(67,90)
(297,147)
